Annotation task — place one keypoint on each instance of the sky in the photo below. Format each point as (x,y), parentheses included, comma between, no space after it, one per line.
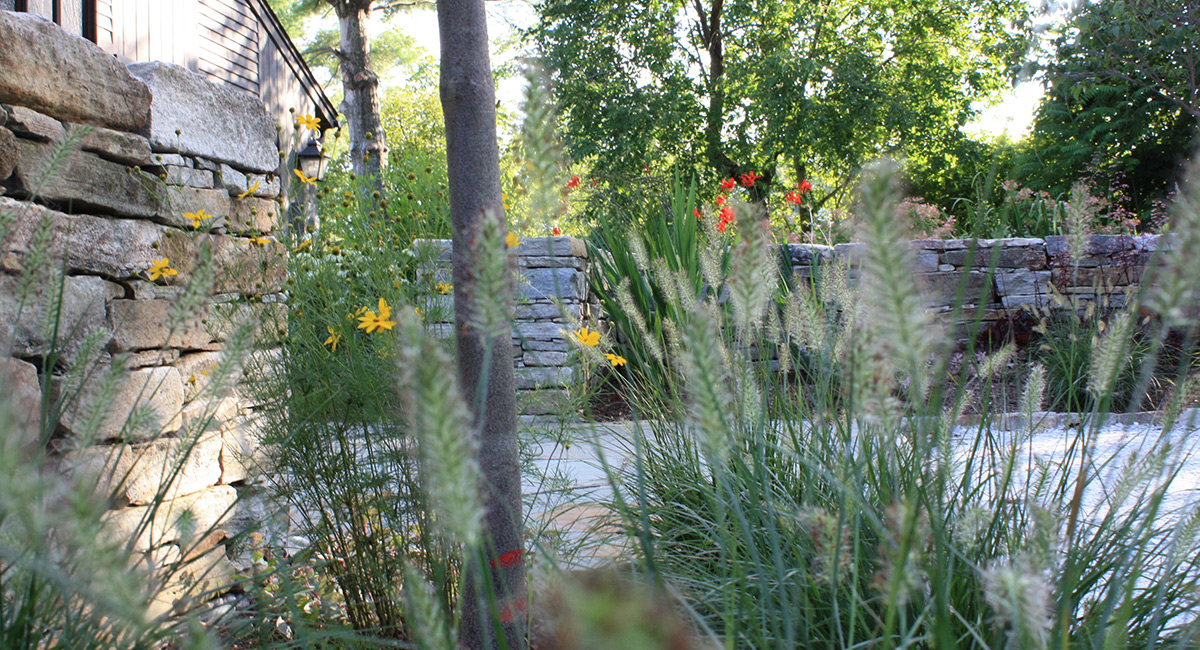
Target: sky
(1010,115)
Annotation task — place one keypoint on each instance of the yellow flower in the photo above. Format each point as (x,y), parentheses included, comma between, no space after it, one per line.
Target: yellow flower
(443,288)
(192,378)
(261,241)
(250,190)
(303,245)
(309,122)
(161,269)
(372,322)
(512,240)
(311,180)
(198,217)
(333,339)
(590,339)
(615,359)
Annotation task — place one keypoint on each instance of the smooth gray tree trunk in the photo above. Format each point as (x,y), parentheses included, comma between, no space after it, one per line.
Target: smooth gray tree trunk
(495,585)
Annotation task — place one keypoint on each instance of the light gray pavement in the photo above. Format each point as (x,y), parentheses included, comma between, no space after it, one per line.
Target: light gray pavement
(569,504)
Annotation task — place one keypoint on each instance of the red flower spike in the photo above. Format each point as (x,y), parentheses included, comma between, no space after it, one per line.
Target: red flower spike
(555,231)
(748,180)
(805,186)
(696,212)
(794,197)
(728,184)
(573,183)
(721,199)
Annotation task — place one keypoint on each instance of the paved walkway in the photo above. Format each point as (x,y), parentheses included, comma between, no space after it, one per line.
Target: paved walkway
(568,497)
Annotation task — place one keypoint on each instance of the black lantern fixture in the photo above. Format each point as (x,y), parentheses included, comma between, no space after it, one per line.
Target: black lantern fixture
(312,160)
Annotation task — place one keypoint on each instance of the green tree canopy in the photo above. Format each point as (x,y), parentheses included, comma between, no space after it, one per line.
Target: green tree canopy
(1121,103)
(799,88)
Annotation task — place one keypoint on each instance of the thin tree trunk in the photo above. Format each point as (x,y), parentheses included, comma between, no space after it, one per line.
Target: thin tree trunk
(360,98)
(473,160)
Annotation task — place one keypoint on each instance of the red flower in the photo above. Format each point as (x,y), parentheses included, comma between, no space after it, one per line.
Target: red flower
(794,197)
(721,199)
(805,186)
(697,213)
(748,180)
(726,218)
(573,183)
(727,184)
(555,231)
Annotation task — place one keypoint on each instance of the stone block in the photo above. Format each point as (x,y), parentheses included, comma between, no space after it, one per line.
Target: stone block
(179,200)
(243,455)
(85,181)
(560,345)
(545,358)
(195,369)
(268,185)
(809,254)
(539,331)
(163,159)
(209,414)
(230,179)
(182,521)
(188,177)
(69,78)
(535,311)
(252,215)
(1030,301)
(82,312)
(1008,257)
(32,125)
(542,261)
(159,390)
(942,289)
(142,324)
(850,254)
(1099,250)
(545,283)
(245,268)
(119,248)
(9,153)
(197,117)
(925,262)
(552,247)
(530,378)
(117,146)
(21,397)
(138,473)
(1023,283)
(135,360)
(1089,277)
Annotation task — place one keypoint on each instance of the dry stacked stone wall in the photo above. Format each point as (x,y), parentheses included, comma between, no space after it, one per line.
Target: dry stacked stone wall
(161,142)
(552,298)
(1007,276)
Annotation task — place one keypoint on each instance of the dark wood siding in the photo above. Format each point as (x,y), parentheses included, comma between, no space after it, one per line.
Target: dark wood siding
(281,89)
(228,38)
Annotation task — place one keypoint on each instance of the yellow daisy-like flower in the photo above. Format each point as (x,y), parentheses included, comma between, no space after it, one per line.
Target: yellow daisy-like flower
(615,359)
(161,269)
(261,241)
(309,122)
(303,245)
(372,322)
(198,217)
(512,240)
(192,378)
(311,180)
(443,288)
(333,339)
(585,337)
(250,190)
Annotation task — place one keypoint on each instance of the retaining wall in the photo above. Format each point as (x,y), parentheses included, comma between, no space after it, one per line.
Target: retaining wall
(163,142)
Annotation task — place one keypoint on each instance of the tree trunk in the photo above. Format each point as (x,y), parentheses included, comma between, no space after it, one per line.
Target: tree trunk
(473,160)
(360,98)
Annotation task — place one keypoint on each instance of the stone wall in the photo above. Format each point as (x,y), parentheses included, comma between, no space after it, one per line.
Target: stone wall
(163,142)
(552,297)
(1004,276)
